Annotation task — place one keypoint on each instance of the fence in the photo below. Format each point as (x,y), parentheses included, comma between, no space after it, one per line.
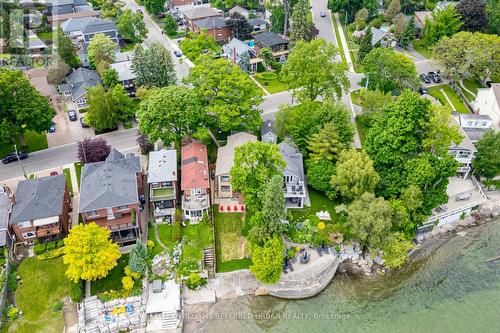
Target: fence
(3,294)
(462,96)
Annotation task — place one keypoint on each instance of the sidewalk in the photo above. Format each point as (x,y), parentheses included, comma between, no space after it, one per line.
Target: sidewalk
(344,43)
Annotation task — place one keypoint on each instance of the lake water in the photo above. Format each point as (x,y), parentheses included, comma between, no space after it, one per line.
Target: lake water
(452,289)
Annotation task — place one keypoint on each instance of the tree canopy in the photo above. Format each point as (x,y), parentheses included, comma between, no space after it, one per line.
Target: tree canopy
(229,96)
(22,108)
(487,161)
(170,114)
(153,66)
(66,49)
(240,28)
(311,71)
(267,260)
(302,25)
(154,6)
(194,45)
(388,70)
(131,26)
(473,14)
(254,164)
(93,150)
(101,48)
(89,252)
(443,22)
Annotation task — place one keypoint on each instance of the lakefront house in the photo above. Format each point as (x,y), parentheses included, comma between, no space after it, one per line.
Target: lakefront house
(162,181)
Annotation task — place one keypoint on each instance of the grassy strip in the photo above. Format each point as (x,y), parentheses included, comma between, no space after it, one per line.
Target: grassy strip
(272,86)
(337,37)
(472,85)
(234,265)
(69,183)
(421,47)
(34,142)
(467,95)
(78,170)
(355,97)
(458,105)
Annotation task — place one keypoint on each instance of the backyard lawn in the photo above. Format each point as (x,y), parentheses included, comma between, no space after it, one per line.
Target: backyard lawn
(319,202)
(195,238)
(113,281)
(43,282)
(34,142)
(156,248)
(271,82)
(458,105)
(232,247)
(421,47)
(47,35)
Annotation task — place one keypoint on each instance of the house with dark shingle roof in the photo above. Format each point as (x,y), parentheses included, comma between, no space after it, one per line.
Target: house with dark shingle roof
(258,24)
(58,11)
(267,132)
(109,196)
(41,209)
(162,181)
(77,82)
(6,201)
(214,26)
(198,13)
(195,183)
(277,43)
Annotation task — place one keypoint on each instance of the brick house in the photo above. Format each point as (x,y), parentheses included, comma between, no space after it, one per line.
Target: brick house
(109,196)
(41,209)
(277,43)
(198,13)
(195,183)
(215,26)
(162,181)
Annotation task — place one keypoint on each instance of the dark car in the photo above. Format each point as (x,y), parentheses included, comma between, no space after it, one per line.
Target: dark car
(138,11)
(423,91)
(12,157)
(322,13)
(424,78)
(84,124)
(178,54)
(72,115)
(161,15)
(434,77)
(52,128)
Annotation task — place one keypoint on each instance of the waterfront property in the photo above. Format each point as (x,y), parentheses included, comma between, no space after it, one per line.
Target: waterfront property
(229,200)
(293,176)
(41,209)
(464,152)
(195,183)
(109,196)
(475,125)
(164,306)
(162,180)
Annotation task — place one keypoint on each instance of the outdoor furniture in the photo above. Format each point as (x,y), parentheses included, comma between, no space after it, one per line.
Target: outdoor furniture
(320,252)
(304,259)
(464,196)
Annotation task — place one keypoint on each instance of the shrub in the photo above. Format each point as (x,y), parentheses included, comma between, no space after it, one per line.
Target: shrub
(60,243)
(131,273)
(267,76)
(57,306)
(40,248)
(127,283)
(12,281)
(195,281)
(151,244)
(12,313)
(187,267)
(260,67)
(376,23)
(51,245)
(76,292)
(51,254)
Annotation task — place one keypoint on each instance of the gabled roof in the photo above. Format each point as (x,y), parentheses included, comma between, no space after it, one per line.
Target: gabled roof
(194,169)
(98,25)
(76,24)
(466,142)
(162,166)
(256,21)
(110,183)
(293,159)
(124,70)
(38,198)
(267,127)
(269,38)
(225,155)
(199,12)
(240,10)
(238,45)
(420,18)
(78,80)
(495,87)
(216,22)
(378,35)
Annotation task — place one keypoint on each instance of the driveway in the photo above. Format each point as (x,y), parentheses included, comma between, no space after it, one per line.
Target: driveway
(67,131)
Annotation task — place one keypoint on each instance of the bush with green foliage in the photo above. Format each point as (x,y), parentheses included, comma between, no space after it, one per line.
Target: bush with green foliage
(12,313)
(195,281)
(76,292)
(40,248)
(138,258)
(57,306)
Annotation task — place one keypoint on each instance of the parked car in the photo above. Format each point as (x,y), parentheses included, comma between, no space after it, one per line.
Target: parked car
(178,54)
(424,78)
(72,115)
(138,11)
(54,173)
(161,15)
(52,128)
(322,13)
(83,123)
(423,91)
(12,157)
(434,77)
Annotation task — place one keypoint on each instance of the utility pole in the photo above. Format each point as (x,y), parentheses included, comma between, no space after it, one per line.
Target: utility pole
(19,160)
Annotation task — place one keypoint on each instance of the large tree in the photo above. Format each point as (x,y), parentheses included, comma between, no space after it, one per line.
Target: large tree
(89,252)
(170,114)
(22,108)
(154,6)
(300,28)
(466,52)
(397,250)
(228,94)
(393,9)
(388,70)
(369,220)
(57,70)
(408,34)
(473,13)
(319,174)
(373,100)
(194,45)
(312,72)
(407,142)
(487,161)
(350,7)
(267,260)
(240,28)
(107,108)
(327,144)
(365,46)
(131,26)
(443,22)
(101,49)
(93,150)
(254,164)
(66,50)
(493,12)
(354,174)
(153,66)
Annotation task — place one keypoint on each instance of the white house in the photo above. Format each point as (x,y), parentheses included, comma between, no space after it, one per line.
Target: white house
(162,181)
(464,152)
(474,125)
(488,103)
(293,176)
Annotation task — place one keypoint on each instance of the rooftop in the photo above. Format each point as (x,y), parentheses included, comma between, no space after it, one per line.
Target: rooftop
(269,38)
(109,183)
(5,207)
(256,21)
(293,159)
(211,22)
(199,12)
(38,198)
(225,155)
(79,80)
(124,70)
(267,127)
(162,166)
(194,168)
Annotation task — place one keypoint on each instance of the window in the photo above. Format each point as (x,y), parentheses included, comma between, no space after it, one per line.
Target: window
(225,188)
(93,213)
(111,215)
(196,191)
(28,234)
(25,224)
(124,207)
(224,178)
(469,123)
(483,123)
(164,204)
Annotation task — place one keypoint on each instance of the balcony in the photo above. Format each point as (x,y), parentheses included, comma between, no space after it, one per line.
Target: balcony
(195,202)
(162,193)
(49,229)
(295,189)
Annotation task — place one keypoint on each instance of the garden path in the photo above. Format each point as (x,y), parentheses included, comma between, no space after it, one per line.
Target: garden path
(157,235)
(260,86)
(462,85)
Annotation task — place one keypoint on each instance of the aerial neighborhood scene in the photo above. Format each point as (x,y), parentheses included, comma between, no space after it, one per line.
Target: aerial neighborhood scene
(249,166)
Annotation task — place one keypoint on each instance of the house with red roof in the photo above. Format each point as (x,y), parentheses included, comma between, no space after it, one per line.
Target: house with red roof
(195,183)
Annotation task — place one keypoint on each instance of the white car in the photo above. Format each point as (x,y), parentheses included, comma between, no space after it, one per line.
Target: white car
(322,13)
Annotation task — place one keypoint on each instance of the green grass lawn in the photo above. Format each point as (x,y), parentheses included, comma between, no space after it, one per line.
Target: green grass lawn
(43,282)
(319,202)
(34,142)
(492,182)
(458,105)
(467,95)
(67,174)
(113,281)
(337,35)
(355,97)
(196,237)
(165,233)
(157,248)
(78,170)
(271,83)
(362,127)
(231,246)
(421,47)
(472,85)
(47,35)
